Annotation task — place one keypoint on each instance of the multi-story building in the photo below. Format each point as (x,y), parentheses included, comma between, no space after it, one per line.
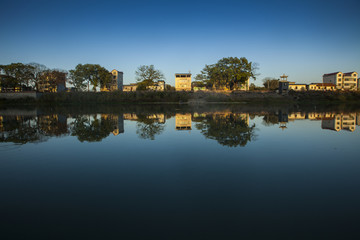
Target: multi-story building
(183,81)
(52,81)
(116,82)
(342,81)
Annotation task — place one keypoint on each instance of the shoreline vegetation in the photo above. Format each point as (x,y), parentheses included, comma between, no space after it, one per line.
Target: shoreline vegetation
(200,97)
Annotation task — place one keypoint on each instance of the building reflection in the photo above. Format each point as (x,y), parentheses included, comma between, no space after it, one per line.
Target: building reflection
(183,121)
(117,122)
(329,120)
(227,128)
(340,122)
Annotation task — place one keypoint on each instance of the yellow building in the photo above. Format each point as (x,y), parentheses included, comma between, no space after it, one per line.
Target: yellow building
(342,81)
(322,87)
(182,81)
(158,86)
(183,121)
(130,88)
(116,82)
(297,86)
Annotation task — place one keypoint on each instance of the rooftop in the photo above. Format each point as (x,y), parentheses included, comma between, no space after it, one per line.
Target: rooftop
(323,84)
(349,73)
(329,74)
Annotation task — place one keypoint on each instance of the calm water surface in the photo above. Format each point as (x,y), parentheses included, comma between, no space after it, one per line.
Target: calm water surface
(175,173)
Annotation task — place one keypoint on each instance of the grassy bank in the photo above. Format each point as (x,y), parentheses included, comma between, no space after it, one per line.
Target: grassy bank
(146,97)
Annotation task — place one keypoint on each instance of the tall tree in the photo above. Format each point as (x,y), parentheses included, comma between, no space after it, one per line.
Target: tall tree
(38,69)
(146,76)
(20,74)
(271,83)
(228,72)
(94,74)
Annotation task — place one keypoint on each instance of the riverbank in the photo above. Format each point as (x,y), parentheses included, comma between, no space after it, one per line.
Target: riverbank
(147,97)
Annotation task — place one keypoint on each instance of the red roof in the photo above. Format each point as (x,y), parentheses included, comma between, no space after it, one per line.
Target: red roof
(329,74)
(348,74)
(324,84)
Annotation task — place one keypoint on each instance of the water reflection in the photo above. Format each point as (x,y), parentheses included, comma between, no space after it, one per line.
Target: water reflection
(183,121)
(329,120)
(226,127)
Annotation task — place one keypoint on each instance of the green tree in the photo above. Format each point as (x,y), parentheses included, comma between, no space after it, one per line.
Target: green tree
(271,83)
(94,74)
(228,72)
(18,74)
(146,76)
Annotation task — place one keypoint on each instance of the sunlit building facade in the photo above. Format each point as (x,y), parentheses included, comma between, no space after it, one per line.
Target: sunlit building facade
(322,87)
(342,81)
(116,82)
(297,87)
(182,81)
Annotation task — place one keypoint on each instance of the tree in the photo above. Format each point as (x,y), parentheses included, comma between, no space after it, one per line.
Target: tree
(18,74)
(252,87)
(271,83)
(146,75)
(38,69)
(228,72)
(94,74)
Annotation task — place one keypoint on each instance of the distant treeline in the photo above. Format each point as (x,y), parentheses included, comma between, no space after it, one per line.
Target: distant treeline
(228,73)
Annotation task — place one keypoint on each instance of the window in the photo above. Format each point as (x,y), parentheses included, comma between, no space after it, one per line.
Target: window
(177,76)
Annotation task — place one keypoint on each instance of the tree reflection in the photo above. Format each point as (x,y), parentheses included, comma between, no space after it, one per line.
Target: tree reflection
(270,119)
(91,128)
(148,127)
(20,129)
(228,129)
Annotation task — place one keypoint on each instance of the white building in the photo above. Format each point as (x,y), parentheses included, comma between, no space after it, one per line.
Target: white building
(342,81)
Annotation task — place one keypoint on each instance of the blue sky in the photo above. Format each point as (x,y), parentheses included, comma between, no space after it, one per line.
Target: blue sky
(303,39)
